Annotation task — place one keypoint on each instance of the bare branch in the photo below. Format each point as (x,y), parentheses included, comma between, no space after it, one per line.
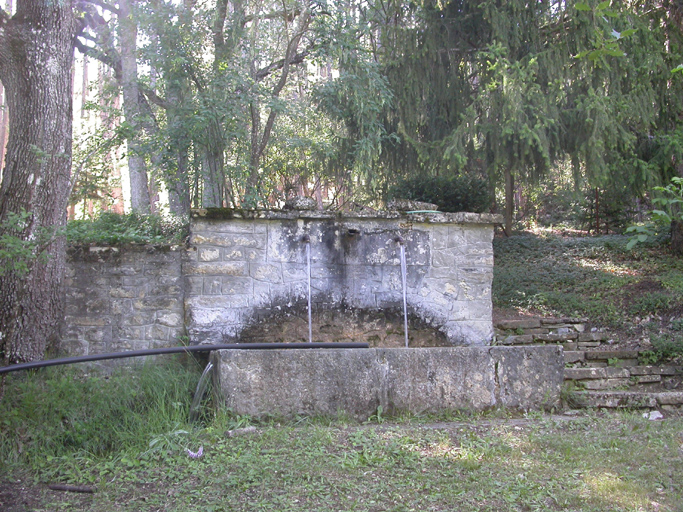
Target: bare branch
(111,59)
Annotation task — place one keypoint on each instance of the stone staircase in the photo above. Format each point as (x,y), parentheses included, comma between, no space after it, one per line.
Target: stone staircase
(596,375)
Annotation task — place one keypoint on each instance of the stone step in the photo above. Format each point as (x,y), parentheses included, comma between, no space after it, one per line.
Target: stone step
(627,399)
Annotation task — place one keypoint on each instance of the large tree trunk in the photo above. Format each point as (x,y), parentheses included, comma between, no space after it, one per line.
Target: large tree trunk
(36,58)
(137,169)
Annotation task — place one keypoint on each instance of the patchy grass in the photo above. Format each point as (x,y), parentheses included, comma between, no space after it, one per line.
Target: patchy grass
(593,277)
(618,462)
(497,461)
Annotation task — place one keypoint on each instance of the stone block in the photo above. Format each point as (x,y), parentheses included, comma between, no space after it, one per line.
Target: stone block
(593,336)
(669,398)
(596,373)
(266,272)
(614,399)
(602,384)
(588,344)
(646,370)
(521,323)
(522,339)
(574,356)
(156,303)
(209,254)
(169,319)
(570,346)
(646,379)
(126,292)
(237,285)
(157,332)
(225,268)
(556,338)
(213,285)
(138,318)
(612,354)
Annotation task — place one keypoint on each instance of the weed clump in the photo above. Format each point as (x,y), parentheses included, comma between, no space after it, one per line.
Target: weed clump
(62,411)
(114,229)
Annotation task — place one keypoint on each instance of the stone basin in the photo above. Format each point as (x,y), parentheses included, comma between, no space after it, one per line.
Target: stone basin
(356,382)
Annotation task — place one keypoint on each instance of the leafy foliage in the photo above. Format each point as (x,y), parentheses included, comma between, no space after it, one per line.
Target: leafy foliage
(671,200)
(112,228)
(451,194)
(17,253)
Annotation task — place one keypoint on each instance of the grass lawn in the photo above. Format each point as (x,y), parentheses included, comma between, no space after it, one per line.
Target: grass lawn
(619,462)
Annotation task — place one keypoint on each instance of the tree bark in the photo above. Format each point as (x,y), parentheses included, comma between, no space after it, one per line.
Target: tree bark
(509,200)
(677,237)
(137,169)
(36,58)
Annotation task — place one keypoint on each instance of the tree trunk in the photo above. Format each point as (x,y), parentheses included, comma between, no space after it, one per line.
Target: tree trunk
(36,58)
(137,170)
(509,200)
(677,237)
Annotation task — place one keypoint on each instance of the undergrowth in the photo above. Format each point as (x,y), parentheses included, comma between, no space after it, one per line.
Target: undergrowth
(593,277)
(112,228)
(62,411)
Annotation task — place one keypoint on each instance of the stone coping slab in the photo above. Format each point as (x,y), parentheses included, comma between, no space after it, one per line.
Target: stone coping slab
(430,218)
(356,382)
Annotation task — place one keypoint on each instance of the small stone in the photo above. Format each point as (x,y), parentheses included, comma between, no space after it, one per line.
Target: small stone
(301,203)
(653,415)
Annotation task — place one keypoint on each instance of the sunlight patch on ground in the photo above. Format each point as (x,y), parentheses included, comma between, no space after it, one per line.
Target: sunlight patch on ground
(607,266)
(611,488)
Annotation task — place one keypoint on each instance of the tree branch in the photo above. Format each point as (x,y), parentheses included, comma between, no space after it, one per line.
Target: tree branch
(274,66)
(105,6)
(113,61)
(154,97)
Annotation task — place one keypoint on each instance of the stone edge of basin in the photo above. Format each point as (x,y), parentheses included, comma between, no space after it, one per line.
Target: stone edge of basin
(435,218)
(356,382)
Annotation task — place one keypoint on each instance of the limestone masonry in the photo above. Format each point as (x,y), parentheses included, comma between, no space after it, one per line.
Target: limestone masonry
(244,277)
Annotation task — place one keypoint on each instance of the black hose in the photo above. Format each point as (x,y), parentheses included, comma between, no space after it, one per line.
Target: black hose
(175,350)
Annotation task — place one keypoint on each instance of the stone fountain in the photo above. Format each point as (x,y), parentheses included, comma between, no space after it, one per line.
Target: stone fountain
(247,280)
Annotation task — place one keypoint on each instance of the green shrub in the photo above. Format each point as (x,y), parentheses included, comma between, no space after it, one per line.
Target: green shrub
(667,346)
(451,194)
(650,303)
(112,228)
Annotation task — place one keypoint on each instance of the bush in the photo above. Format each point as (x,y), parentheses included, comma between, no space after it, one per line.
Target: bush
(450,194)
(112,228)
(667,347)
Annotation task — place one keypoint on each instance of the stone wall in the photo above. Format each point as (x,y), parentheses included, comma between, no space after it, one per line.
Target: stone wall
(247,277)
(119,299)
